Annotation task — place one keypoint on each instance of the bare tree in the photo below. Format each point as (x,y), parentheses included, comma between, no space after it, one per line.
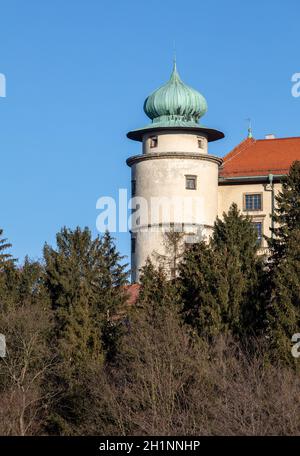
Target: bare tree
(22,371)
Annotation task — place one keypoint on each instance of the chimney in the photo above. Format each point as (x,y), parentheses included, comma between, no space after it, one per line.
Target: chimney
(270,136)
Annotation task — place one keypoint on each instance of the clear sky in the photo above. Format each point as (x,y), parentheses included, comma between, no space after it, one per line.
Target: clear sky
(78,71)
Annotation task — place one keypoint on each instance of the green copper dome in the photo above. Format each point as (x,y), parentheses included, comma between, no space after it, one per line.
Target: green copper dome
(175,106)
(175,102)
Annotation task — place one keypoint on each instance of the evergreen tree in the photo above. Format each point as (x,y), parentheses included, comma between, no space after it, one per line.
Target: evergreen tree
(284,308)
(286,216)
(203,290)
(8,276)
(156,292)
(221,282)
(284,271)
(235,241)
(85,284)
(4,256)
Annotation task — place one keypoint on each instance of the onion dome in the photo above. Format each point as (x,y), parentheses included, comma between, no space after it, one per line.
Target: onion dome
(175,102)
(175,105)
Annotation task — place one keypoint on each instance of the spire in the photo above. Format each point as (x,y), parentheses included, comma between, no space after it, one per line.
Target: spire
(175,75)
(250,135)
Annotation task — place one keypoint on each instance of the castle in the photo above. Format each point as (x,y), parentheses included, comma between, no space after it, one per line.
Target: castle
(175,166)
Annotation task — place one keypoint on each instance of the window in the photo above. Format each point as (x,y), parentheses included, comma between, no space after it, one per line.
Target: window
(133,242)
(259,228)
(153,141)
(253,202)
(200,142)
(191,182)
(133,187)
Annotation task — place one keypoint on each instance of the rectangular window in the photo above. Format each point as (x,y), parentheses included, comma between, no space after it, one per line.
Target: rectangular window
(253,202)
(133,187)
(191,182)
(200,142)
(259,228)
(153,141)
(133,242)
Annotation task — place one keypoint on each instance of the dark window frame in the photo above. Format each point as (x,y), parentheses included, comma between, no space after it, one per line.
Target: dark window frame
(153,142)
(190,178)
(133,245)
(133,187)
(260,233)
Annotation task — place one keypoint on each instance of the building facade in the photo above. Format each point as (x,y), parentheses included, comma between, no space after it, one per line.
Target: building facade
(177,185)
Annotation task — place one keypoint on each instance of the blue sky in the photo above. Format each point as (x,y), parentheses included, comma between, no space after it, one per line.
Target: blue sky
(77,74)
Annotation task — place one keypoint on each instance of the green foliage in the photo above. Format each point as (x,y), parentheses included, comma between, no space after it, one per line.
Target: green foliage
(284,308)
(85,281)
(235,241)
(287,213)
(202,289)
(156,291)
(4,256)
(284,274)
(221,282)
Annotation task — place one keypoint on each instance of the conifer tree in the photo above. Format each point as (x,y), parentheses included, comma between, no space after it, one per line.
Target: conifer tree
(286,216)
(235,241)
(284,272)
(220,282)
(157,292)
(84,280)
(203,290)
(284,308)
(4,256)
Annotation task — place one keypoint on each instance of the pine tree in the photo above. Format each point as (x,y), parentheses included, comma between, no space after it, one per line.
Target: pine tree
(84,280)
(235,240)
(157,293)
(202,290)
(4,256)
(8,276)
(221,281)
(286,216)
(284,308)
(284,271)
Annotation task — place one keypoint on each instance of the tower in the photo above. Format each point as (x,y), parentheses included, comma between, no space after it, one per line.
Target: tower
(174,180)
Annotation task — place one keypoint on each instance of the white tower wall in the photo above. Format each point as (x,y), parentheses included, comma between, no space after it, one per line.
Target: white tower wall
(159,177)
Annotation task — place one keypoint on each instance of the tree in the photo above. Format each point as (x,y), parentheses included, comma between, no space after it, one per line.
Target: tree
(156,290)
(286,216)
(235,241)
(283,314)
(173,243)
(4,257)
(202,290)
(25,321)
(284,308)
(85,281)
(221,281)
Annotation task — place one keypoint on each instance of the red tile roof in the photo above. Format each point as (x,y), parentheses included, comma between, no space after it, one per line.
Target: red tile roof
(133,293)
(261,157)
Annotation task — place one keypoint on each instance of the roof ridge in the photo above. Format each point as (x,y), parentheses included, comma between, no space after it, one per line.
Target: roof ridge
(279,139)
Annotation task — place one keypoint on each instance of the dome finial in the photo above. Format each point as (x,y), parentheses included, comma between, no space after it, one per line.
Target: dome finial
(174,54)
(250,135)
